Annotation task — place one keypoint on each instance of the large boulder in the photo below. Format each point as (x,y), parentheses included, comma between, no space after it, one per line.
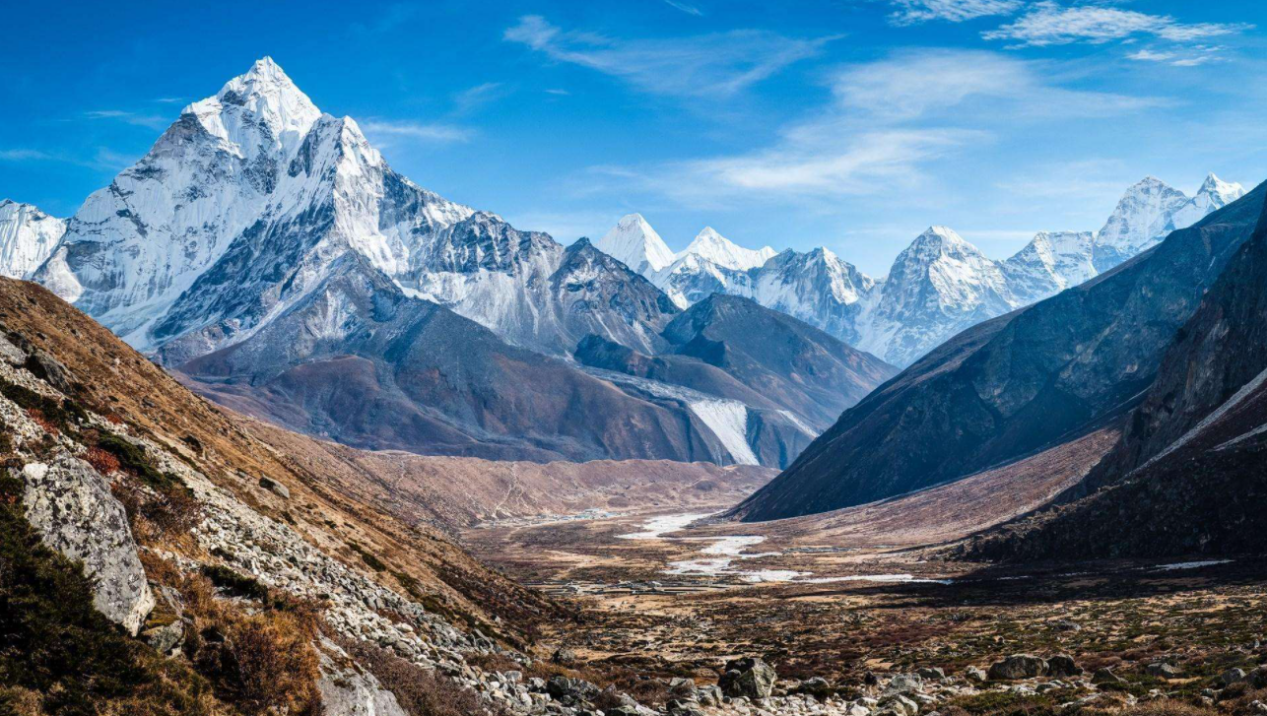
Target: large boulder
(71,508)
(1063,665)
(749,677)
(1016,667)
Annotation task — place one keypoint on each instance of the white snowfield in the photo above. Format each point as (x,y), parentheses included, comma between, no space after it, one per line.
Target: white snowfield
(940,285)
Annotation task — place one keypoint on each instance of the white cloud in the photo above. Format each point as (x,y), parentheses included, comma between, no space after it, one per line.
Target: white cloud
(1048,23)
(438,133)
(478,96)
(888,121)
(910,12)
(24,155)
(716,65)
(688,9)
(152,121)
(1193,57)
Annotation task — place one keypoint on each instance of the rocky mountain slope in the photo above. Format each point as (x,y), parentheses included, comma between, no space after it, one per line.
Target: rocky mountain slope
(1015,384)
(247,578)
(1187,476)
(937,287)
(27,238)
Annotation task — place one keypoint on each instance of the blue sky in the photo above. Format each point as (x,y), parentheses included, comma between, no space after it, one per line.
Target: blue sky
(852,124)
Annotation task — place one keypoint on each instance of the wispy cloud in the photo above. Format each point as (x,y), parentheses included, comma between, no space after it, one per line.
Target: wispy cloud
(436,133)
(910,12)
(103,158)
(688,9)
(558,92)
(1049,23)
(152,121)
(23,155)
(887,122)
(715,65)
(168,100)
(1189,57)
(475,97)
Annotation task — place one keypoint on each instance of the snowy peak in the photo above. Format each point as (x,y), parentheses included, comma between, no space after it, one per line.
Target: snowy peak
(634,243)
(261,105)
(1213,195)
(1142,217)
(718,249)
(27,237)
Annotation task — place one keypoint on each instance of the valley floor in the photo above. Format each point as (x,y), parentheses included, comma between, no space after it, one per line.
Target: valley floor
(659,597)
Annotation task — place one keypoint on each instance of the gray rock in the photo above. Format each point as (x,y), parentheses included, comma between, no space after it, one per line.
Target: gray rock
(1258,677)
(71,508)
(818,687)
(563,656)
(749,677)
(1018,666)
(930,674)
(1163,670)
(275,487)
(165,639)
(904,684)
(352,691)
(1063,665)
(974,673)
(900,705)
(1104,677)
(10,353)
(1232,676)
(683,689)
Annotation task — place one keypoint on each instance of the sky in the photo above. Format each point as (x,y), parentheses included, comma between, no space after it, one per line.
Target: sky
(850,124)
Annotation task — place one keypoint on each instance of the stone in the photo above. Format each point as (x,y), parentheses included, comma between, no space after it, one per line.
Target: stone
(930,674)
(72,509)
(1066,625)
(683,689)
(974,673)
(749,677)
(1163,670)
(1063,665)
(818,687)
(900,705)
(1232,676)
(1258,677)
(1104,677)
(1258,707)
(904,684)
(10,353)
(167,638)
(710,695)
(1017,666)
(563,656)
(275,487)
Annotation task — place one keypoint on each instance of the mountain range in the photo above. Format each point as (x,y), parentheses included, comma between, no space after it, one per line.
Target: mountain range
(938,286)
(268,253)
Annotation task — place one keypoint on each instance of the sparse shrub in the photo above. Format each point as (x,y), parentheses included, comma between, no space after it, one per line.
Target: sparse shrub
(236,584)
(418,691)
(132,459)
(102,461)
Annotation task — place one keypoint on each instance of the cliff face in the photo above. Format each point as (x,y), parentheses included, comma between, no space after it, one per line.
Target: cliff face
(1188,476)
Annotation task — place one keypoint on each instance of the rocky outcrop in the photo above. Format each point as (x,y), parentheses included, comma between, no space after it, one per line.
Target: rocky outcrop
(71,507)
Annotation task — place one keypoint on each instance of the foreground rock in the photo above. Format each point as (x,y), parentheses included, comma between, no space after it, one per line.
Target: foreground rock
(749,678)
(70,505)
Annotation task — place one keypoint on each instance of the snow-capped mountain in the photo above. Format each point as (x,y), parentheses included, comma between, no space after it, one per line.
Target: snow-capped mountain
(714,247)
(817,287)
(1050,263)
(1213,195)
(245,202)
(939,285)
(634,243)
(27,238)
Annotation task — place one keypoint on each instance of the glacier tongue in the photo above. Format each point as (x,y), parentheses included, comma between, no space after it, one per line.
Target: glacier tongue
(728,419)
